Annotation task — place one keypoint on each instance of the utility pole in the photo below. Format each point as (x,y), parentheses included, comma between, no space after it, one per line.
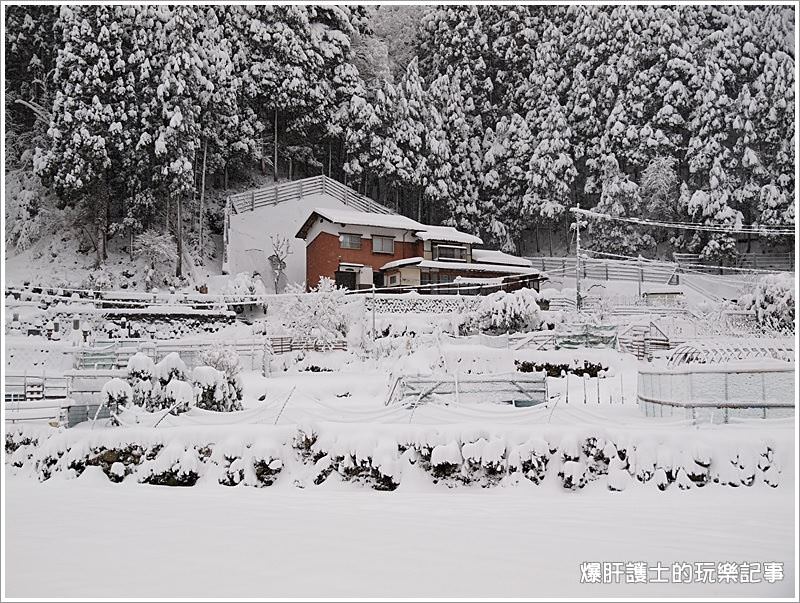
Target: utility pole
(577,256)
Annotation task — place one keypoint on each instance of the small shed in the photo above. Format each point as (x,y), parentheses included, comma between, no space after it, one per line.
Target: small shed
(662,295)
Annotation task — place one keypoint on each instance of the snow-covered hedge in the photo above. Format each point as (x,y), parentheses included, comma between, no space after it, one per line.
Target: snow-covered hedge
(385,457)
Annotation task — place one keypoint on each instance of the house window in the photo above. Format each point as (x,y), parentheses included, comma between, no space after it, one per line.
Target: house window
(350,241)
(382,244)
(393,279)
(451,252)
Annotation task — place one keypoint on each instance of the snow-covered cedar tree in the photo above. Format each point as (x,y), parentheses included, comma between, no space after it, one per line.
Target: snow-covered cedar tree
(319,314)
(773,301)
(225,360)
(178,395)
(619,197)
(211,391)
(116,393)
(158,251)
(504,312)
(171,367)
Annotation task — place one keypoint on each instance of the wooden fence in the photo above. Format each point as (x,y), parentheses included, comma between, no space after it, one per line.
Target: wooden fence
(295,189)
(115,354)
(782,262)
(606,270)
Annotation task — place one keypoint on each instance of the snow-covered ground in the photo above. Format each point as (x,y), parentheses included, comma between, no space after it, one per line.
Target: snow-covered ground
(91,538)
(341,537)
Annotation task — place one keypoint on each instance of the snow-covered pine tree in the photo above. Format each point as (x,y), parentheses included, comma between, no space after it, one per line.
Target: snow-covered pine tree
(31,45)
(408,132)
(176,113)
(550,171)
(619,197)
(462,204)
(506,160)
(660,191)
(86,124)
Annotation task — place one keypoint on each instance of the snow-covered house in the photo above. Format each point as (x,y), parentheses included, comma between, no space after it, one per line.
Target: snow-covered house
(358,249)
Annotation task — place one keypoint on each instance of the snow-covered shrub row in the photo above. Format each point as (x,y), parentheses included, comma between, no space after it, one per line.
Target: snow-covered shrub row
(147,456)
(382,457)
(504,312)
(371,462)
(555,369)
(169,385)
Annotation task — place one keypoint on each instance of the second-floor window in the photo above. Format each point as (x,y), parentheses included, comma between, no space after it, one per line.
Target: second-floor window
(382,244)
(350,241)
(451,252)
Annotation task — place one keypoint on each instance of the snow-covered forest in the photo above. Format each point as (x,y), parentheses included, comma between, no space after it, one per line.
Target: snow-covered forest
(488,118)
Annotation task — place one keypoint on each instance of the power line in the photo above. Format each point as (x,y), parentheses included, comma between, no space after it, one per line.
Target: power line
(695,226)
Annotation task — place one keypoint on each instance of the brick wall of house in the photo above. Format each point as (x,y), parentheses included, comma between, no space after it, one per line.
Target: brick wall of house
(324,253)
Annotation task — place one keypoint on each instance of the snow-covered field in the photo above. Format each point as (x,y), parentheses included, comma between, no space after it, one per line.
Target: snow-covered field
(318,531)
(91,538)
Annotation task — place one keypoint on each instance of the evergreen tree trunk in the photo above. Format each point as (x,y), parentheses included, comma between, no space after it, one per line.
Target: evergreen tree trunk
(179,238)
(101,238)
(203,195)
(275,148)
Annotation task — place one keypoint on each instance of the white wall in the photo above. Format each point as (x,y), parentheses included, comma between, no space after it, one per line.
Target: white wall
(249,243)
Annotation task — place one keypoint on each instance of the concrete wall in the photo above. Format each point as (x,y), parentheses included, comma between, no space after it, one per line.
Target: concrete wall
(249,237)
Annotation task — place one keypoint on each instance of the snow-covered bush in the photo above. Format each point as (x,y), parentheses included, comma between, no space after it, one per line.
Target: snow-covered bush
(171,367)
(98,280)
(211,390)
(320,314)
(530,460)
(773,302)
(175,465)
(140,367)
(225,360)
(485,461)
(177,395)
(244,285)
(504,312)
(141,372)
(116,393)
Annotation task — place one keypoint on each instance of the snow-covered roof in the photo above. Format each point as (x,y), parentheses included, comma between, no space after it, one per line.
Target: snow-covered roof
(424,232)
(446,233)
(399,263)
(659,289)
(490,256)
(461,266)
(360,218)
